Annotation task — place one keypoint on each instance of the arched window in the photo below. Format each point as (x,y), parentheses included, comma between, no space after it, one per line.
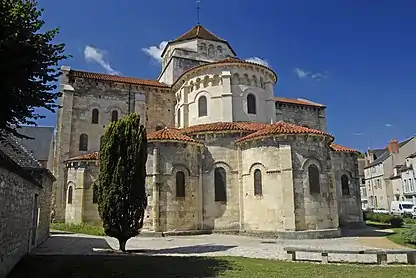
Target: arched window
(180,184)
(251,104)
(114,116)
(258,190)
(211,50)
(70,193)
(95,116)
(313,174)
(178,117)
(261,83)
(202,106)
(94,195)
(220,184)
(159,127)
(101,140)
(345,188)
(83,142)
(219,50)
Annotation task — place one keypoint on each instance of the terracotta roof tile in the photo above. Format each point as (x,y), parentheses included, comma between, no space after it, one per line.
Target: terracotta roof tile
(87,156)
(339,148)
(223,126)
(281,128)
(298,101)
(198,32)
(170,135)
(115,78)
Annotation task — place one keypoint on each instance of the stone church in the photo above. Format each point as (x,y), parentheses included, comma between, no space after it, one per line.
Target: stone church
(225,154)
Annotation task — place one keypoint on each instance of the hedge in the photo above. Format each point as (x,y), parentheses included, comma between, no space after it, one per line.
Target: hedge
(394,221)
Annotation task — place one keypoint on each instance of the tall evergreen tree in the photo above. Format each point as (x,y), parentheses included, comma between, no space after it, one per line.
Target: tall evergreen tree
(28,65)
(122,199)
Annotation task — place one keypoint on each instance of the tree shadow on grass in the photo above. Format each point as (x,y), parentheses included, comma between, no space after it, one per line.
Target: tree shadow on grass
(79,266)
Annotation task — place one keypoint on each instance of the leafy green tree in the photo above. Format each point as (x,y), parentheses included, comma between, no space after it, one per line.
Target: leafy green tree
(121,194)
(28,65)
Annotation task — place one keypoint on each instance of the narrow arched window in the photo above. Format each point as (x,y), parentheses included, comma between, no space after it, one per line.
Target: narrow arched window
(180,184)
(83,142)
(114,116)
(178,117)
(94,195)
(95,116)
(251,104)
(202,106)
(313,175)
(345,187)
(258,190)
(220,184)
(211,50)
(101,140)
(219,50)
(70,193)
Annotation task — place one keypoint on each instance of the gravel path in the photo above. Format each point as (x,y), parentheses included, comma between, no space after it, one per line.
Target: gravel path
(214,245)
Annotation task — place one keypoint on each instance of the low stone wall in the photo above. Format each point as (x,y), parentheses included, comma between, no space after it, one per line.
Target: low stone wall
(17,200)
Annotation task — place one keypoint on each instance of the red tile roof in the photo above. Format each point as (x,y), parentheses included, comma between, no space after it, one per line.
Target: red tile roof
(88,156)
(115,78)
(298,101)
(170,135)
(281,128)
(223,127)
(339,148)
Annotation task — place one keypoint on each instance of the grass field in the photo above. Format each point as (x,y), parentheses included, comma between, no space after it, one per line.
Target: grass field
(79,229)
(183,267)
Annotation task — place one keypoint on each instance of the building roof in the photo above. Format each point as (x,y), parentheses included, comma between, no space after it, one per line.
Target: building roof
(171,135)
(40,145)
(281,128)
(11,147)
(198,32)
(339,148)
(298,101)
(116,78)
(384,153)
(229,127)
(87,156)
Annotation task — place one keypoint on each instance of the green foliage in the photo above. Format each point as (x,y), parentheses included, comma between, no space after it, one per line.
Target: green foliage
(409,235)
(121,194)
(78,228)
(361,155)
(29,64)
(394,221)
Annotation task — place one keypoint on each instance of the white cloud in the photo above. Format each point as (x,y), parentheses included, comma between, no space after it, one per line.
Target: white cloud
(258,60)
(93,54)
(155,51)
(388,125)
(318,76)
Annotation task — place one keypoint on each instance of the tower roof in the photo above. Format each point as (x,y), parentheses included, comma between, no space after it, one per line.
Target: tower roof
(198,32)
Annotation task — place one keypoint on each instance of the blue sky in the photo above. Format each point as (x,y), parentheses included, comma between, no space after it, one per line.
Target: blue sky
(365,49)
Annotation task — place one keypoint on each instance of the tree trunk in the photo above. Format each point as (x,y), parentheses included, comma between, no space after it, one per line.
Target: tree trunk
(122,244)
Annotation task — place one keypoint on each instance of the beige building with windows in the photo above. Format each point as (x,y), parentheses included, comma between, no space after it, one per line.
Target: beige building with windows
(383,173)
(224,152)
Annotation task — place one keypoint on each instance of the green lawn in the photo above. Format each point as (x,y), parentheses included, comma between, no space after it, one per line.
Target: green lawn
(79,229)
(396,237)
(183,267)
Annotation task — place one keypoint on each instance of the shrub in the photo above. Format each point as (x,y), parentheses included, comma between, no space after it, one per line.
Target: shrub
(409,235)
(396,222)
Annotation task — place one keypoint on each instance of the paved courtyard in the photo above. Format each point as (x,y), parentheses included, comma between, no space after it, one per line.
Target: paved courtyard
(216,245)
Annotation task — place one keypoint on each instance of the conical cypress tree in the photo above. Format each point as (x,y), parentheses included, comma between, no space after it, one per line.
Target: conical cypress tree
(120,191)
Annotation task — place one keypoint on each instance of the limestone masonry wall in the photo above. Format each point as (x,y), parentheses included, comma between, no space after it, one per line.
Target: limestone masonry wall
(17,199)
(313,117)
(349,199)
(314,210)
